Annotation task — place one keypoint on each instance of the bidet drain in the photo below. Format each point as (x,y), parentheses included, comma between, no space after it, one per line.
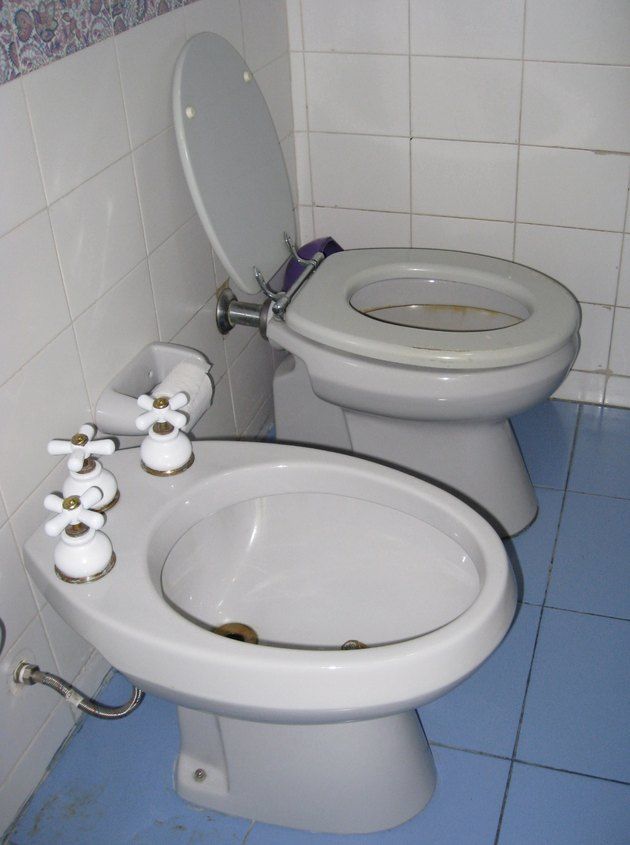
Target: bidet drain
(350,644)
(237,631)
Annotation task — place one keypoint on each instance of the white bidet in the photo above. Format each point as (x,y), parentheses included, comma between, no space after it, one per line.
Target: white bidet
(297,606)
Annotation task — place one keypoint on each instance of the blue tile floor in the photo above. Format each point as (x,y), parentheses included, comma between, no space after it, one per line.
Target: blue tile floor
(533,748)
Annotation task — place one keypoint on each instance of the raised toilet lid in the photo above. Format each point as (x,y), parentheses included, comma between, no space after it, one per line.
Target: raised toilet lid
(232,159)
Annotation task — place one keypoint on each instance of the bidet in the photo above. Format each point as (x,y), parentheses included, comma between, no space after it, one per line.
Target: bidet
(308,550)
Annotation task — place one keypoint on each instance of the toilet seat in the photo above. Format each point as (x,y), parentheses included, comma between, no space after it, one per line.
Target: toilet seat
(322,310)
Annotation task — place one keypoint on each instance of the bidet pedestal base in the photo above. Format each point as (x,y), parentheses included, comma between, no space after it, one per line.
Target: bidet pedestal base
(353,777)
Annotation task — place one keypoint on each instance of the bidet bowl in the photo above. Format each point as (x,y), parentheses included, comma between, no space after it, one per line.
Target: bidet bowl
(310,549)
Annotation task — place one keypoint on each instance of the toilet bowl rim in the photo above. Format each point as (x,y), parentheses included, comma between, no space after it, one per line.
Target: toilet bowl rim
(321,312)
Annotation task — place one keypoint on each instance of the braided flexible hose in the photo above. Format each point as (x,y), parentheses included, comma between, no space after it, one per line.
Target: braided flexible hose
(28,673)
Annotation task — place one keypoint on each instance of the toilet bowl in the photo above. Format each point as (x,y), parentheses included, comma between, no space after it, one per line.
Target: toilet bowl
(369,593)
(413,357)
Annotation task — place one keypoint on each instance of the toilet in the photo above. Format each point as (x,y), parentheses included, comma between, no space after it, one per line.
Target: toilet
(413,357)
(296,605)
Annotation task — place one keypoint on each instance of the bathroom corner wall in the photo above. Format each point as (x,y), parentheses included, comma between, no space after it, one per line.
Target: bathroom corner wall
(101,252)
(495,126)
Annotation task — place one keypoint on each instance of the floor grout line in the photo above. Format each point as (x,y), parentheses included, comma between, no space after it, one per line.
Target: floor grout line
(538,629)
(530,763)
(570,772)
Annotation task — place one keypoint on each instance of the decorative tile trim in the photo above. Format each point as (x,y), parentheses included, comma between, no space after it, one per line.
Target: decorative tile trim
(34,33)
(9,63)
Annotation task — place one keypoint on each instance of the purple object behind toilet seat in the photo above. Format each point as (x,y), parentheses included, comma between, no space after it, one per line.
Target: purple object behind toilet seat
(327,245)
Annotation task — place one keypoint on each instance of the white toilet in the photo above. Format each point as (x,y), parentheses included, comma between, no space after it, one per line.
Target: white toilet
(415,357)
(370,593)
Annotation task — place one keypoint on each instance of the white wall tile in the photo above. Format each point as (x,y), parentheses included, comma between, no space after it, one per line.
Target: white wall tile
(595,335)
(260,422)
(569,105)
(356,171)
(620,349)
(45,399)
(21,189)
(30,769)
(578,31)
(164,197)
(582,387)
(481,28)
(487,237)
(24,709)
(17,605)
(264,30)
(294,24)
(572,188)
(275,83)
(126,313)
(623,297)
(250,378)
(33,308)
(465,99)
(298,92)
(371,93)
(463,179)
(218,421)
(69,649)
(146,56)
(220,16)
(305,223)
(221,274)
(182,277)
(586,262)
(77,98)
(288,153)
(31,513)
(618,392)
(303,168)
(362,26)
(202,333)
(357,229)
(98,232)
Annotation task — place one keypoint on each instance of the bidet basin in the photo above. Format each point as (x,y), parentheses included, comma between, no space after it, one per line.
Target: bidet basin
(315,570)
(308,548)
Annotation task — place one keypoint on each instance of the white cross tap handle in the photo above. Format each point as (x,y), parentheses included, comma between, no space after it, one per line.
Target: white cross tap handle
(72,510)
(81,446)
(161,409)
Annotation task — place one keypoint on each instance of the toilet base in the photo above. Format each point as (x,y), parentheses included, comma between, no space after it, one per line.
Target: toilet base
(477,460)
(352,777)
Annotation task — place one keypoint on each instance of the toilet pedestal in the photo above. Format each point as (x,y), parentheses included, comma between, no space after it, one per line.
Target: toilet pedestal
(478,460)
(352,777)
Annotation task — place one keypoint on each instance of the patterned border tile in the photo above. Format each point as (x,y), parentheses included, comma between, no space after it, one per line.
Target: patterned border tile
(129,13)
(9,63)
(50,29)
(34,33)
